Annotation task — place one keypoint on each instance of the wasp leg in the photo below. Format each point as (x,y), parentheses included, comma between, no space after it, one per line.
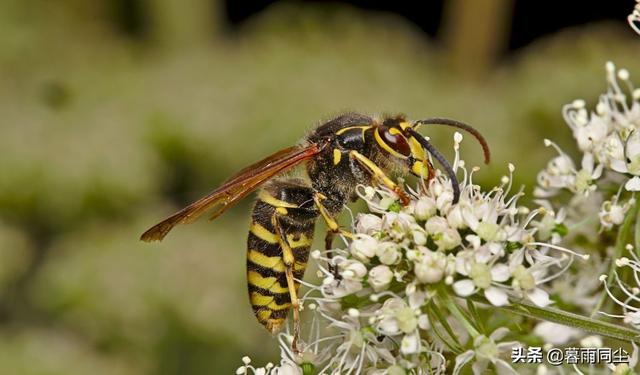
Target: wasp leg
(289,263)
(328,245)
(334,229)
(379,175)
(328,218)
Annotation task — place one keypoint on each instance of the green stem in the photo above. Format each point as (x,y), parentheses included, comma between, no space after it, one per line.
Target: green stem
(621,242)
(457,313)
(568,319)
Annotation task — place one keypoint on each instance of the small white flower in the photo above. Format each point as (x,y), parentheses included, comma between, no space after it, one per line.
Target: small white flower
(436,225)
(368,224)
(613,213)
(489,231)
(486,351)
(424,208)
(353,270)
(388,253)
(431,267)
(380,277)
(363,247)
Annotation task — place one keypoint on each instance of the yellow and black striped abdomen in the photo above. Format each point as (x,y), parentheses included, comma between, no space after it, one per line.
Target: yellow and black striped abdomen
(289,205)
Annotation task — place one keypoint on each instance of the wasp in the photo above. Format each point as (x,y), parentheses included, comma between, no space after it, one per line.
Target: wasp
(339,154)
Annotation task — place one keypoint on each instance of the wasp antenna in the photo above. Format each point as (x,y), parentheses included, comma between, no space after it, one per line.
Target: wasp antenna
(441,159)
(460,125)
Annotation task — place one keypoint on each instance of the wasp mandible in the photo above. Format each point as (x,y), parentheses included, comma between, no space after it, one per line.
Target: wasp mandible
(340,154)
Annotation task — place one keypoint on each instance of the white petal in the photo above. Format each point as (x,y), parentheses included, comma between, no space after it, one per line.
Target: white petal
(633,145)
(496,296)
(504,368)
(597,172)
(464,288)
(587,161)
(423,322)
(289,368)
(410,343)
(633,184)
(462,360)
(619,166)
(539,297)
(417,299)
(500,273)
(499,333)
(479,367)
(556,334)
(389,326)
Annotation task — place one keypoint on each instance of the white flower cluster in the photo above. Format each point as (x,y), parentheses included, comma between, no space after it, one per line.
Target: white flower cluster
(609,139)
(630,300)
(390,298)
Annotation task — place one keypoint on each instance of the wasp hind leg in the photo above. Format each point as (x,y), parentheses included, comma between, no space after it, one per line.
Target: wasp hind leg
(289,264)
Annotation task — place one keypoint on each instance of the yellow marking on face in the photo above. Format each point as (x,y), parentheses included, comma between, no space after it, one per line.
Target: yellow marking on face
(262,233)
(300,242)
(275,202)
(395,131)
(282,211)
(337,155)
(385,146)
(269,283)
(258,299)
(416,149)
(419,169)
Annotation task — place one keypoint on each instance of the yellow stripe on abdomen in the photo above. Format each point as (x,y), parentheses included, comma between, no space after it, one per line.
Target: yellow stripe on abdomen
(269,283)
(263,233)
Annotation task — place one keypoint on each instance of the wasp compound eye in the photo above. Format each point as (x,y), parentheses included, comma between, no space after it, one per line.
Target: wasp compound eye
(392,141)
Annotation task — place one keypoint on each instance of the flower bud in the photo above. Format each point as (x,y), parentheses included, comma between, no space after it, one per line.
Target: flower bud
(431,267)
(368,224)
(380,277)
(424,208)
(436,225)
(353,270)
(364,247)
(388,253)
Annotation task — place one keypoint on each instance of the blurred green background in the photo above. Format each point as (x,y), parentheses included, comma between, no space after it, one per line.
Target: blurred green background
(109,123)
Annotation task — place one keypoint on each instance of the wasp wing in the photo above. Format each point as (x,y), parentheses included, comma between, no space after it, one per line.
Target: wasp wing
(234,189)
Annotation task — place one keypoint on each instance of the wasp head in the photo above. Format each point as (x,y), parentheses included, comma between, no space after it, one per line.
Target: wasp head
(399,138)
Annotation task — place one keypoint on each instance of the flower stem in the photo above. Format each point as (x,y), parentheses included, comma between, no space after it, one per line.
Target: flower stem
(568,319)
(622,239)
(457,313)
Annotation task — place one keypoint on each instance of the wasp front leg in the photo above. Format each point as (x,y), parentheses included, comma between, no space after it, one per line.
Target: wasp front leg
(379,175)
